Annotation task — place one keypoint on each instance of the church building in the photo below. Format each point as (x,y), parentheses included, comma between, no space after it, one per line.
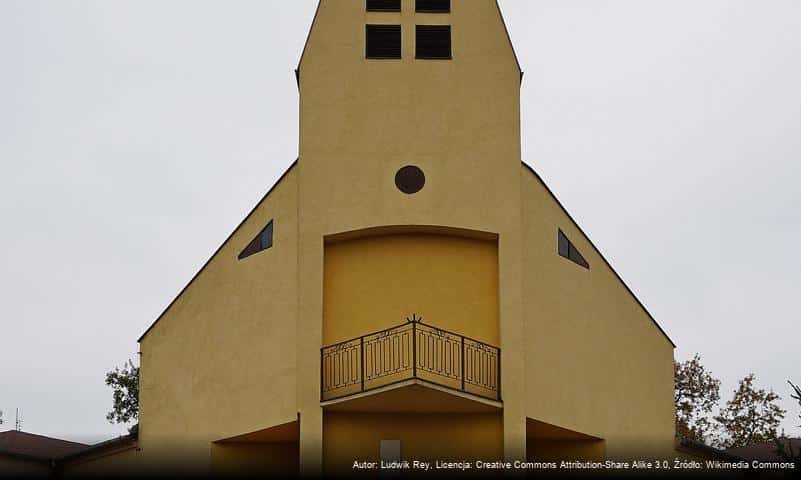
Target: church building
(410,289)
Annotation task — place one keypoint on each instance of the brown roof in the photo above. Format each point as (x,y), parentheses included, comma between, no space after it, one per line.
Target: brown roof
(33,446)
(703,450)
(765,451)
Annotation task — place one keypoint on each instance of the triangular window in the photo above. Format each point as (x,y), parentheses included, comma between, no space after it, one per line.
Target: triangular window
(263,241)
(569,251)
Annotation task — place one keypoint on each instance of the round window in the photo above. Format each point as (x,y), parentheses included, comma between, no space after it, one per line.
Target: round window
(410,179)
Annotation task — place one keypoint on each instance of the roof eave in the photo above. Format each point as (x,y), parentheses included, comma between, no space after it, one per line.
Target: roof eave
(164,312)
(611,268)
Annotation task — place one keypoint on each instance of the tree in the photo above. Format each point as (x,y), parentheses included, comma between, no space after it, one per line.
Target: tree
(751,416)
(695,394)
(125,385)
(1,417)
(783,446)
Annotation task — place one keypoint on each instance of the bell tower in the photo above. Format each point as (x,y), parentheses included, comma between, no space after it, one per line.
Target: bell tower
(385,83)
(409,118)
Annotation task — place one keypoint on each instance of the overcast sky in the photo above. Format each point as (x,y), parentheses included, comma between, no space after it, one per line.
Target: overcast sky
(134,136)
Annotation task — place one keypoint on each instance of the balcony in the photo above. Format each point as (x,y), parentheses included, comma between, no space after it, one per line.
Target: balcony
(413,351)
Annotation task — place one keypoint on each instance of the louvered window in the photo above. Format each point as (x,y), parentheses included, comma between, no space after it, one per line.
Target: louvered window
(433,41)
(263,241)
(383,5)
(433,6)
(569,251)
(383,41)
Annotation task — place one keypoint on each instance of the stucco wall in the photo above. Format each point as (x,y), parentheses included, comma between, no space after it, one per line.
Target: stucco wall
(361,120)
(114,462)
(569,450)
(254,459)
(221,360)
(239,350)
(13,467)
(595,361)
(375,282)
(357,436)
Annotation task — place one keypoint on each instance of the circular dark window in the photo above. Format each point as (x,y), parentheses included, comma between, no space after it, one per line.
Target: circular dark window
(410,179)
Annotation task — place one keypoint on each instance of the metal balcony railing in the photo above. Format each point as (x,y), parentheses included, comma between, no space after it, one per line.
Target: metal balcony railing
(412,350)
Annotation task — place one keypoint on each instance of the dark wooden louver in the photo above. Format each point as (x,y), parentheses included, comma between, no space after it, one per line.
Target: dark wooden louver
(569,251)
(263,241)
(433,6)
(383,41)
(433,41)
(383,5)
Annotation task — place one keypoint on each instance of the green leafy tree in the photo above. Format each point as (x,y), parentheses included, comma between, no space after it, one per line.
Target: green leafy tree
(695,394)
(783,446)
(751,416)
(125,385)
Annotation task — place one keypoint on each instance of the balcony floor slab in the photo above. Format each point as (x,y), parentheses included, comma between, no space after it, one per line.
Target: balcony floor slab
(413,396)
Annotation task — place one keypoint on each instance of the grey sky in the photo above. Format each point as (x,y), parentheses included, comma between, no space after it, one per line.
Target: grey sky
(134,136)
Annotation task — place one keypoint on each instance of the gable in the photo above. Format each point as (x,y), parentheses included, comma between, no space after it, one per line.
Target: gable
(249,223)
(569,222)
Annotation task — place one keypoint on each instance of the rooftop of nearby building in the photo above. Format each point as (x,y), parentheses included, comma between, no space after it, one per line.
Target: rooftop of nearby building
(36,447)
(765,451)
(123,441)
(703,450)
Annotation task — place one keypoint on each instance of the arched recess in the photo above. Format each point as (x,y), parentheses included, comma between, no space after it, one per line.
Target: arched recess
(375,278)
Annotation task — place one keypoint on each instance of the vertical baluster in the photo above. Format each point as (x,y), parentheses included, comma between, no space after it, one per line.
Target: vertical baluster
(405,348)
(498,391)
(484,368)
(462,368)
(430,352)
(414,350)
(361,360)
(441,356)
(386,351)
(392,341)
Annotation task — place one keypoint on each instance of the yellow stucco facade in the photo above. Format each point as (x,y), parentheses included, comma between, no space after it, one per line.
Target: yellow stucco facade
(375,282)
(607,365)
(446,436)
(119,460)
(532,355)
(20,467)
